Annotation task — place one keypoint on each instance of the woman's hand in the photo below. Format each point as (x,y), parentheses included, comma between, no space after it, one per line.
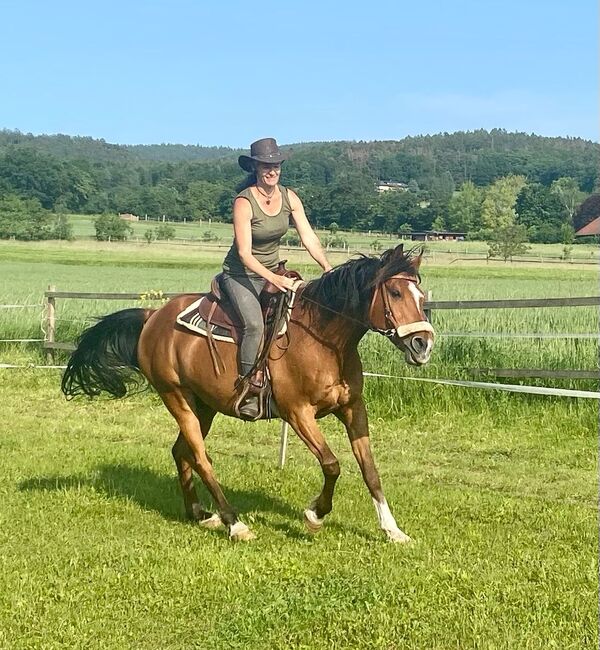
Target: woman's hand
(282,283)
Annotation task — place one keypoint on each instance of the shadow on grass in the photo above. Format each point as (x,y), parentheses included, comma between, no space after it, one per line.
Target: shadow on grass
(153,491)
(159,493)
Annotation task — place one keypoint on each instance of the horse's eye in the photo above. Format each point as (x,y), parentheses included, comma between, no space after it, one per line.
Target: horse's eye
(395,293)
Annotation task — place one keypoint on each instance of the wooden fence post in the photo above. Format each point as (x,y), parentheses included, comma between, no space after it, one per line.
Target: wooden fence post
(50,324)
(427,310)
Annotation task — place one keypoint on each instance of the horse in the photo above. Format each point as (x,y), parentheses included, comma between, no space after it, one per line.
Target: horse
(317,372)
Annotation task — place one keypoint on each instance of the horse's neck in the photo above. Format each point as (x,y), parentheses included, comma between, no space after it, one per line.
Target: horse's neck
(331,330)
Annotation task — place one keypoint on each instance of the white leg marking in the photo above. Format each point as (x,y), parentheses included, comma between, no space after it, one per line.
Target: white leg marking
(388,524)
(239,532)
(311,521)
(212,523)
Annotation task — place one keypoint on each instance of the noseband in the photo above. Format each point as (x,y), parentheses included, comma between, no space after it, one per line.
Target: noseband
(400,330)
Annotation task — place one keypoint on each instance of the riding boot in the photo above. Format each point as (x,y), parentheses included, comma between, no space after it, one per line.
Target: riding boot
(250,407)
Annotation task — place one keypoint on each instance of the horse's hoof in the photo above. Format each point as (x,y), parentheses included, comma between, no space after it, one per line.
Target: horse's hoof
(239,532)
(211,523)
(312,522)
(397,536)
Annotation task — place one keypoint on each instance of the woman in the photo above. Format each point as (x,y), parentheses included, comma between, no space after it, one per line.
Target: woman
(261,216)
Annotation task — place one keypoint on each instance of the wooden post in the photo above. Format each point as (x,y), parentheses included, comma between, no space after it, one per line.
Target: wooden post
(50,325)
(428,295)
(283,443)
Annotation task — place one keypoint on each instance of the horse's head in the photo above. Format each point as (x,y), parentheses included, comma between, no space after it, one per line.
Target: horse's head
(397,306)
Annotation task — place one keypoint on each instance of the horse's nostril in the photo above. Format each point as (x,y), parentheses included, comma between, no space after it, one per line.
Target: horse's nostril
(419,344)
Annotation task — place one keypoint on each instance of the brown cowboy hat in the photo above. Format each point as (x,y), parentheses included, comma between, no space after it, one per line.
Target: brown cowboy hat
(265,151)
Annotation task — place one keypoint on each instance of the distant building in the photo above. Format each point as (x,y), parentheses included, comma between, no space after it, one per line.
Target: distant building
(126,216)
(391,186)
(592,228)
(437,235)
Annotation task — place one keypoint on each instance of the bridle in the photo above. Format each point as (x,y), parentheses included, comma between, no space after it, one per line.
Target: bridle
(395,329)
(400,330)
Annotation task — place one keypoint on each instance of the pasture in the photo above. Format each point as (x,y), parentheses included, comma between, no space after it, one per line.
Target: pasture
(499,490)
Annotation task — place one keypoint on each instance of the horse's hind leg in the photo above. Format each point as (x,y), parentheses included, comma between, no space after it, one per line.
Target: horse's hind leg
(193,508)
(190,453)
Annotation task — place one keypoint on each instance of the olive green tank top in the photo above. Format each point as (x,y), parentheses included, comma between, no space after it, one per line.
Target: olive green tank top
(267,232)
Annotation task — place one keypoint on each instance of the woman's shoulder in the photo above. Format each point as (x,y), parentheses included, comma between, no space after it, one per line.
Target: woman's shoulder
(291,196)
(245,193)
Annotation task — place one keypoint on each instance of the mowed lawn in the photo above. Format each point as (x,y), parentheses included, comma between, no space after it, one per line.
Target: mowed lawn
(498,490)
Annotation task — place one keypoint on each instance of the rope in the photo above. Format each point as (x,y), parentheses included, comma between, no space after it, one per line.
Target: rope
(500,335)
(27,366)
(511,388)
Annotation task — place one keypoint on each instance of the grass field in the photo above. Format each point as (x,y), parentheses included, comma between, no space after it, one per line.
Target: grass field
(192,233)
(498,490)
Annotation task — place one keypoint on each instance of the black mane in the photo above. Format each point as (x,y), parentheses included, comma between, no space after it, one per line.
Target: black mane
(348,288)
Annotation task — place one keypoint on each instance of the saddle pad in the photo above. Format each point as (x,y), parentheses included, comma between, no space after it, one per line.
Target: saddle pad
(191,319)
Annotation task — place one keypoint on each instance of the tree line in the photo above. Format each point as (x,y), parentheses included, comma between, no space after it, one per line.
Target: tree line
(470,182)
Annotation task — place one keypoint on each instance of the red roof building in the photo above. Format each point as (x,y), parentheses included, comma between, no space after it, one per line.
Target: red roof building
(592,228)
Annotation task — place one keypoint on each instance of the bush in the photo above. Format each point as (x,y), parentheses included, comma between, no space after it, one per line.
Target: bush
(336,242)
(291,239)
(110,227)
(209,235)
(26,219)
(150,235)
(165,232)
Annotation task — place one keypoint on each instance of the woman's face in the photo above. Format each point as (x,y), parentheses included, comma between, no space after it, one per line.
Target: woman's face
(268,173)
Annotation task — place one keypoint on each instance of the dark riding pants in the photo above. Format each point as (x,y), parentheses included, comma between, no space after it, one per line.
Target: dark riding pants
(243,292)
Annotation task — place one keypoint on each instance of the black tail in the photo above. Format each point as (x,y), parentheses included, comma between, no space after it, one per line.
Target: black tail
(106,356)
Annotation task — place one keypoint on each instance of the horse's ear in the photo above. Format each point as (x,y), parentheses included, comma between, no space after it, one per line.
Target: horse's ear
(399,250)
(416,262)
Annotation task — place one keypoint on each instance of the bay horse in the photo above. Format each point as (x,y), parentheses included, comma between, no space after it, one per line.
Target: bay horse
(316,373)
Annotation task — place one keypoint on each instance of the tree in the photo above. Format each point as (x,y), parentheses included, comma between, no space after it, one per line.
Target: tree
(442,187)
(498,207)
(202,200)
(569,194)
(63,228)
(24,219)
(464,209)
(438,224)
(110,227)
(587,211)
(393,208)
(541,212)
(508,241)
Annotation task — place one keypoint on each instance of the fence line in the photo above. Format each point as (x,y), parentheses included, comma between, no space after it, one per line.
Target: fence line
(534,335)
(20,306)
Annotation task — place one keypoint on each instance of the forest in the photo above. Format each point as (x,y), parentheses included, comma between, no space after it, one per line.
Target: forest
(475,183)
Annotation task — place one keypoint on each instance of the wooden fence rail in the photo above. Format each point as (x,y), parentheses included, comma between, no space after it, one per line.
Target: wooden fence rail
(51,295)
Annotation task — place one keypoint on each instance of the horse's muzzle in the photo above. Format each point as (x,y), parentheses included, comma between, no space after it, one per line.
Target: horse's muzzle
(417,345)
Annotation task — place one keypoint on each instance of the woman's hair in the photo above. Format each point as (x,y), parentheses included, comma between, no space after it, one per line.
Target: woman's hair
(247,182)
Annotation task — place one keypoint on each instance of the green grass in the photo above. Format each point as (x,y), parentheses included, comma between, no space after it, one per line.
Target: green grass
(498,490)
(192,233)
(95,552)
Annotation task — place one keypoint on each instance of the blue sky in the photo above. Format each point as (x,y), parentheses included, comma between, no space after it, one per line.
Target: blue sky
(229,72)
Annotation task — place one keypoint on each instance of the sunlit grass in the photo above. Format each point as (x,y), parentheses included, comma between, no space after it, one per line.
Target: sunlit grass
(499,490)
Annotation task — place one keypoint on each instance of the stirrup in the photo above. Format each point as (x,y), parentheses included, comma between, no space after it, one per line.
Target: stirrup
(252,406)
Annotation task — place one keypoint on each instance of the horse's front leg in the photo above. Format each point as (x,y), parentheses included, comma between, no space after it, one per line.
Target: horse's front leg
(354,418)
(304,424)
